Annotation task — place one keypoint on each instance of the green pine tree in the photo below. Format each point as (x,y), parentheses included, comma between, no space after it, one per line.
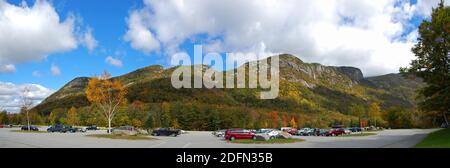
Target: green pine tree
(432,62)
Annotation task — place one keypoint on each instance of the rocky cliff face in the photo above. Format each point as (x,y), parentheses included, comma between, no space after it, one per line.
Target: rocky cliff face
(310,75)
(353,73)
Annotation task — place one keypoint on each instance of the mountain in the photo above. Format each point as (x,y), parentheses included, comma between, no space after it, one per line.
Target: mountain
(305,88)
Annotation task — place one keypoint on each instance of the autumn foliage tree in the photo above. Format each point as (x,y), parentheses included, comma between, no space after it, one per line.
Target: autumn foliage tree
(72,117)
(357,111)
(293,123)
(107,94)
(273,119)
(284,120)
(432,63)
(374,112)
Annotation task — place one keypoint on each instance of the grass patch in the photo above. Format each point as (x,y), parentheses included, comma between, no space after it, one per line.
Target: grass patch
(359,134)
(124,137)
(22,131)
(438,139)
(271,141)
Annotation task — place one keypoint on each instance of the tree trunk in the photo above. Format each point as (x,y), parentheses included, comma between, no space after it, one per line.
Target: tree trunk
(28,121)
(446,120)
(109,125)
(360,124)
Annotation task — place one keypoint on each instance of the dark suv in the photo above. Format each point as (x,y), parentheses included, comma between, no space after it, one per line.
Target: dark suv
(355,129)
(166,132)
(32,128)
(92,128)
(59,128)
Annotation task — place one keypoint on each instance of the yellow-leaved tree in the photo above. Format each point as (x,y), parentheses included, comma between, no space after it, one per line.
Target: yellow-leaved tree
(374,112)
(72,117)
(107,94)
(293,124)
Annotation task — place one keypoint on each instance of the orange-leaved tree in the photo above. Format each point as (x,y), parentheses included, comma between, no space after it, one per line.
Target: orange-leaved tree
(273,119)
(107,94)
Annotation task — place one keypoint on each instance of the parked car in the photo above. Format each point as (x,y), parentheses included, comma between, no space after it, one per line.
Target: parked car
(371,128)
(76,129)
(32,128)
(319,132)
(59,128)
(271,133)
(285,129)
(313,132)
(336,132)
(166,132)
(355,129)
(347,131)
(92,128)
(233,134)
(301,131)
(219,133)
(263,130)
(322,132)
(309,132)
(292,131)
(1,126)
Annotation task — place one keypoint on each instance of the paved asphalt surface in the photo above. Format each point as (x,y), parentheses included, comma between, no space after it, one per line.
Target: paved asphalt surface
(402,138)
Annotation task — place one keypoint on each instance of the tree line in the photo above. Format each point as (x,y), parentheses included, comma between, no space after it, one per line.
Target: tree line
(199,116)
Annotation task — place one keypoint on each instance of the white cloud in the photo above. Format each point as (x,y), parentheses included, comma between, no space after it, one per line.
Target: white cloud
(30,33)
(140,37)
(88,40)
(10,95)
(364,33)
(424,7)
(54,69)
(36,74)
(114,62)
(8,68)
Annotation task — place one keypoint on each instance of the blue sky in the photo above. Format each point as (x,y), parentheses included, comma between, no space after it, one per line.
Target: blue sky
(109,26)
(108,22)
(355,33)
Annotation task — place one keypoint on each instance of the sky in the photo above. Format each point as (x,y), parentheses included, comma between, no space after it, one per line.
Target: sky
(45,44)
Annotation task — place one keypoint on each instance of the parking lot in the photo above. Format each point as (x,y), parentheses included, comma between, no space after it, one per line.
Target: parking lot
(401,138)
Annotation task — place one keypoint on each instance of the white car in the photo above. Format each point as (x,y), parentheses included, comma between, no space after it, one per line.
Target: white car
(219,133)
(285,128)
(271,133)
(347,131)
(274,134)
(303,131)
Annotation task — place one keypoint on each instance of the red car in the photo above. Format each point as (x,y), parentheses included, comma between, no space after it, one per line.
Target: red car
(336,132)
(233,134)
(292,131)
